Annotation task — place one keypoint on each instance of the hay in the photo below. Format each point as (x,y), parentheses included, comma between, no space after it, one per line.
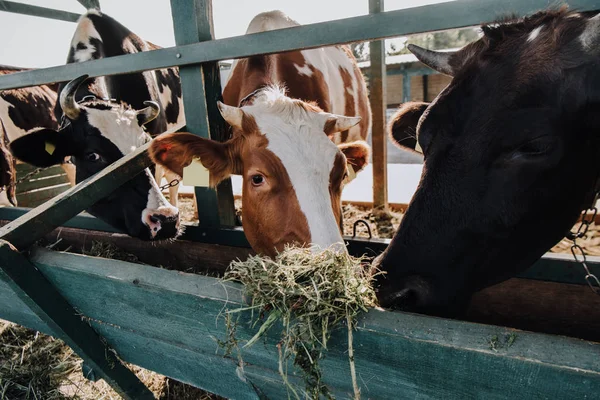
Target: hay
(310,294)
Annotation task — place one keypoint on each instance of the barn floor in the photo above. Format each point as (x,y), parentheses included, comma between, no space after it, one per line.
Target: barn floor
(37,366)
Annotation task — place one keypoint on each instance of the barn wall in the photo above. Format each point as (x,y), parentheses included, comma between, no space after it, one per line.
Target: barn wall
(435,84)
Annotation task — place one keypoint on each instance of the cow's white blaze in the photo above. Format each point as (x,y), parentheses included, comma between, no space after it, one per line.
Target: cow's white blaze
(297,138)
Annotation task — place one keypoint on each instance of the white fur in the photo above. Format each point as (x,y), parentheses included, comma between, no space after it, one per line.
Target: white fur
(12,131)
(535,33)
(120,126)
(270,21)
(84,32)
(304,70)
(296,137)
(4,202)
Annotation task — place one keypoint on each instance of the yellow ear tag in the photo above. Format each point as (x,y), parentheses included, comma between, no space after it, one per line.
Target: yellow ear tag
(50,147)
(196,175)
(351,174)
(418,148)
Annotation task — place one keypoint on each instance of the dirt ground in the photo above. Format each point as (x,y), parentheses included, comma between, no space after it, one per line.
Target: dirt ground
(37,366)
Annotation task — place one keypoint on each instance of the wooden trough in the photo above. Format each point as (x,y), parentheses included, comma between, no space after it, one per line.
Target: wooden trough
(171,322)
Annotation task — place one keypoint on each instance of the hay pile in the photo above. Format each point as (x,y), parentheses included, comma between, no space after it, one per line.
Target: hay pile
(306,295)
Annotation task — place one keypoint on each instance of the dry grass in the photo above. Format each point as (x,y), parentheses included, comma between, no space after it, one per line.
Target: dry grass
(38,366)
(308,295)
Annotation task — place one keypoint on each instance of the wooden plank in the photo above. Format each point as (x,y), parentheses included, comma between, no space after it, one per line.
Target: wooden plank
(175,318)
(518,303)
(46,302)
(35,11)
(378,100)
(549,307)
(40,196)
(363,28)
(27,229)
(40,182)
(201,88)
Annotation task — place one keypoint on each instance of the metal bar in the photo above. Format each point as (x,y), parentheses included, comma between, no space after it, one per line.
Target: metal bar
(27,229)
(47,303)
(90,4)
(192,21)
(405,87)
(364,28)
(26,9)
(378,100)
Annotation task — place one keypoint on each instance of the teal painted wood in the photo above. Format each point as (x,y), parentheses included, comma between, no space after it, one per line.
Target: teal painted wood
(41,298)
(369,27)
(27,229)
(35,11)
(378,101)
(201,87)
(405,87)
(174,318)
(90,3)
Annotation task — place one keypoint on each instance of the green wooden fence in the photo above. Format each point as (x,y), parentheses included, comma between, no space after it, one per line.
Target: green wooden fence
(401,355)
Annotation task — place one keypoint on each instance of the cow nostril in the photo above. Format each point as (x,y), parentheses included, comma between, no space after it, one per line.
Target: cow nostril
(154,219)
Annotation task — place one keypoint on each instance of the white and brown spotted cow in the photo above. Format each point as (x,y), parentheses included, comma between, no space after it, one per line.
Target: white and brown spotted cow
(286,111)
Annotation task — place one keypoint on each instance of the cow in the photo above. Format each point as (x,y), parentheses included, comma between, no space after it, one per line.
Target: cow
(402,126)
(95,133)
(98,36)
(510,160)
(298,120)
(292,173)
(8,179)
(22,110)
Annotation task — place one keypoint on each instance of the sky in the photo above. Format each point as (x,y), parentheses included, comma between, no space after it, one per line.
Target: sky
(39,42)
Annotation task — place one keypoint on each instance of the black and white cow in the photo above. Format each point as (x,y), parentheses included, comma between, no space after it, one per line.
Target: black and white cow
(510,147)
(96,133)
(22,110)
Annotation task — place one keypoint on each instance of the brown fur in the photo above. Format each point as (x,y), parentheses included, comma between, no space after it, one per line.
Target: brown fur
(402,128)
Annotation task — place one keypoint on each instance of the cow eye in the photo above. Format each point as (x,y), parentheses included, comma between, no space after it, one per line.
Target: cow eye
(258,180)
(535,147)
(93,157)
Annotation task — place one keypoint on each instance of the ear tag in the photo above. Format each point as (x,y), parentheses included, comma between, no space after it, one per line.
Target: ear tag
(351,174)
(50,147)
(196,175)
(418,148)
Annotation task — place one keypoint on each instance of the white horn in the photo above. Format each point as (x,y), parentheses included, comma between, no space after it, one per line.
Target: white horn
(233,115)
(438,60)
(342,123)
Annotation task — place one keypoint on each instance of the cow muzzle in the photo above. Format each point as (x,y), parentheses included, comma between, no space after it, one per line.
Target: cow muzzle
(162,223)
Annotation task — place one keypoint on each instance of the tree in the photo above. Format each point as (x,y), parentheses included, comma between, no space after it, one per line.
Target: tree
(440,40)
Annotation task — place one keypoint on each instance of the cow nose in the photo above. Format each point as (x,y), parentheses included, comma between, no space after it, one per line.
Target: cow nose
(162,223)
(410,294)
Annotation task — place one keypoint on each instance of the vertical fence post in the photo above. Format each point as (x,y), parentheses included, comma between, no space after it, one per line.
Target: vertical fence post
(406,88)
(377,90)
(201,88)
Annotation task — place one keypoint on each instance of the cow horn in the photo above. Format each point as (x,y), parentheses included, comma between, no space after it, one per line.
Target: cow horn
(438,60)
(149,113)
(67,98)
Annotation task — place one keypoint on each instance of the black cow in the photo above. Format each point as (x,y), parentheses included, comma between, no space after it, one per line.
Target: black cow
(514,136)
(99,36)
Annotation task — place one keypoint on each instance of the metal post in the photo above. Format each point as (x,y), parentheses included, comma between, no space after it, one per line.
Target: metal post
(405,87)
(377,89)
(201,88)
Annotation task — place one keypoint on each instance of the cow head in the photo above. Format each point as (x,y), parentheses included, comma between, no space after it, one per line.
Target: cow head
(95,134)
(510,156)
(292,173)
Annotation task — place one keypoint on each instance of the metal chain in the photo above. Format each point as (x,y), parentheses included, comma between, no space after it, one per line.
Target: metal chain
(174,182)
(578,253)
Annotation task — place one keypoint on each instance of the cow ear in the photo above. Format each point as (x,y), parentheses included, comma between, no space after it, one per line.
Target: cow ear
(175,151)
(357,154)
(402,128)
(42,147)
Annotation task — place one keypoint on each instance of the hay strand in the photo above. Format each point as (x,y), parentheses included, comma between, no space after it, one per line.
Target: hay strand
(309,293)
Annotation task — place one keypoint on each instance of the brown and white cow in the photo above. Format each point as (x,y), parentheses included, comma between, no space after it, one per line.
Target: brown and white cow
(286,111)
(292,173)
